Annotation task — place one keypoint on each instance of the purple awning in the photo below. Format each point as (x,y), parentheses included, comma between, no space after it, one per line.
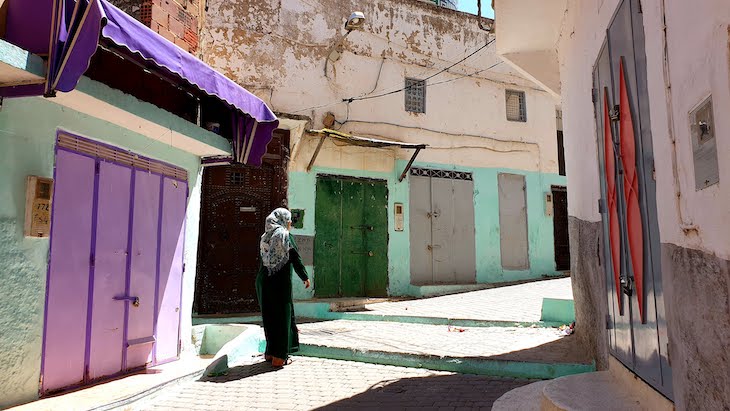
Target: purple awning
(82,25)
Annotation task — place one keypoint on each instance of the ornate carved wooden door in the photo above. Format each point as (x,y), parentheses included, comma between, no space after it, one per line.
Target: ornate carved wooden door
(236,200)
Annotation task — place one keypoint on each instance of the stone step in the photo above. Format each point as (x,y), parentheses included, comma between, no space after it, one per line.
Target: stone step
(527,398)
(617,389)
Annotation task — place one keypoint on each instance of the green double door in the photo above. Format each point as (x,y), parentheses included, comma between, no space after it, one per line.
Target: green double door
(351,242)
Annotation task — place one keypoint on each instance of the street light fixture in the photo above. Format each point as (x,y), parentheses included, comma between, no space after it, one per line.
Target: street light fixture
(355,22)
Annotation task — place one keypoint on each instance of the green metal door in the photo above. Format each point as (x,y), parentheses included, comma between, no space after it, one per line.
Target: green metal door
(351,242)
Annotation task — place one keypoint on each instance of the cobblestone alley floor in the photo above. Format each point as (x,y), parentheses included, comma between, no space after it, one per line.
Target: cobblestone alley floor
(313,383)
(316,383)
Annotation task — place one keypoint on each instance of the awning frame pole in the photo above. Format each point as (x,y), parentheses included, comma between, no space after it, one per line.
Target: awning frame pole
(316,152)
(410,163)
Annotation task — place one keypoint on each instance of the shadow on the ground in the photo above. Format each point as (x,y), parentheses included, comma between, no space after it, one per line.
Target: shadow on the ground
(240,372)
(439,391)
(565,350)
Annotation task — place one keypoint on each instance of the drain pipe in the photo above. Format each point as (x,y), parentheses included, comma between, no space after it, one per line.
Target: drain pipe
(686,225)
(482,26)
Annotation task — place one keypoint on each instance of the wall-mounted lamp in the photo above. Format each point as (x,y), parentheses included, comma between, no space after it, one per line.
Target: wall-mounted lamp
(355,22)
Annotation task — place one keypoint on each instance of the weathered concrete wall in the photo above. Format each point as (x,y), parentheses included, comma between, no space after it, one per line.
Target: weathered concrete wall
(27,137)
(695,244)
(589,288)
(698,311)
(278,50)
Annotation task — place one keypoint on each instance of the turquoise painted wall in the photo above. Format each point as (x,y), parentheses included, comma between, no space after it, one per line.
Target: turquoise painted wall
(27,135)
(302,187)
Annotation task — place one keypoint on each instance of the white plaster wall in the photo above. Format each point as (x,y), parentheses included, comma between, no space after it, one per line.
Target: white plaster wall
(581,38)
(696,72)
(277,49)
(698,41)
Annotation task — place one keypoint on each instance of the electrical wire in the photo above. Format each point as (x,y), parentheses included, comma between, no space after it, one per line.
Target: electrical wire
(368,97)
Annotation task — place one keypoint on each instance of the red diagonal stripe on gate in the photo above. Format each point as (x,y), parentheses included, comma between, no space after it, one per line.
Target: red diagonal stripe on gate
(634,223)
(614,239)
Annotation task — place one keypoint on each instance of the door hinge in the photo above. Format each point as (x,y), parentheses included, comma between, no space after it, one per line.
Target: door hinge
(97,167)
(601,206)
(609,325)
(92,259)
(594,95)
(669,355)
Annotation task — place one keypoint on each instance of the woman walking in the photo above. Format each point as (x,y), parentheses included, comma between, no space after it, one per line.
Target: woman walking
(274,287)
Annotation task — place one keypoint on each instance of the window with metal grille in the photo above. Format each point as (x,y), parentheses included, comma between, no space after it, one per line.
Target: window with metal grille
(237,179)
(516,109)
(415,93)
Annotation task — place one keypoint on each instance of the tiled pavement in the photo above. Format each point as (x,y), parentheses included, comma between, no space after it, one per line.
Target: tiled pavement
(312,383)
(506,343)
(521,303)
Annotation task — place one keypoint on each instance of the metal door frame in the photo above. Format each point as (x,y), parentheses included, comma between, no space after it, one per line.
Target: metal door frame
(647,202)
(96,150)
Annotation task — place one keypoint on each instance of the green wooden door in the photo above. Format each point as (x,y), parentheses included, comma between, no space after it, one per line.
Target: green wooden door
(328,222)
(351,242)
(375,212)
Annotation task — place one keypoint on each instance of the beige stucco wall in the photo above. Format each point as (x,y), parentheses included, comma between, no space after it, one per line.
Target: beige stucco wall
(693,221)
(277,49)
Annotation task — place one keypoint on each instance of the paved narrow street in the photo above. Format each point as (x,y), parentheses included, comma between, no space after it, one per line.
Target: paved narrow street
(312,383)
(321,383)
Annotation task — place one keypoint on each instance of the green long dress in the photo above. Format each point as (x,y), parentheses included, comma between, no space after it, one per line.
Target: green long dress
(277,309)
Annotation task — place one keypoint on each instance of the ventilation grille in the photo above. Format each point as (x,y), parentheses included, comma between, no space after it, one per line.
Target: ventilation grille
(117,155)
(450,174)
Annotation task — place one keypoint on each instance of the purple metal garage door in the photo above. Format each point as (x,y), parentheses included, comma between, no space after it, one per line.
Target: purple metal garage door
(116,264)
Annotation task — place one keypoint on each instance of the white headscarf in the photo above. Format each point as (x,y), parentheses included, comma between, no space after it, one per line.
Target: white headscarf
(275,243)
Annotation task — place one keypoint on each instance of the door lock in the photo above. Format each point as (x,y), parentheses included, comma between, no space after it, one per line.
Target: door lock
(134,300)
(368,253)
(627,285)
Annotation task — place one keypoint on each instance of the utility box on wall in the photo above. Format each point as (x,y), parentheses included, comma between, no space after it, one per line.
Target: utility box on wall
(38,195)
(704,145)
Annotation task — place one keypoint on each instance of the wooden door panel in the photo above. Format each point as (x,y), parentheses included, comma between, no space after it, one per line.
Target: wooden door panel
(376,238)
(420,230)
(327,241)
(354,257)
(169,286)
(68,276)
(464,252)
(513,222)
(110,273)
(143,269)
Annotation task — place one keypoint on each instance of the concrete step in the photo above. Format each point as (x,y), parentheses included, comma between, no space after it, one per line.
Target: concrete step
(527,398)
(591,391)
(616,389)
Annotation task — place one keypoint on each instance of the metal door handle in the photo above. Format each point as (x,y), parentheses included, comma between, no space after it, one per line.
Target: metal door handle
(368,253)
(363,227)
(627,284)
(134,300)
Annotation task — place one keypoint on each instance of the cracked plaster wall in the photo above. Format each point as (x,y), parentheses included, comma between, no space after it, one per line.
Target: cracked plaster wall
(277,49)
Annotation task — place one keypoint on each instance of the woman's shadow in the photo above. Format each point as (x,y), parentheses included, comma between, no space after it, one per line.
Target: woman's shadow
(240,372)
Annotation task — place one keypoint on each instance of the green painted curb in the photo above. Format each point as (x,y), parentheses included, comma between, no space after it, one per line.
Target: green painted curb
(457,322)
(494,368)
(559,310)
(406,319)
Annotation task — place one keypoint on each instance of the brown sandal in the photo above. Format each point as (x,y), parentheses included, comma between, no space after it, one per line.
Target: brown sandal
(278,362)
(268,358)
